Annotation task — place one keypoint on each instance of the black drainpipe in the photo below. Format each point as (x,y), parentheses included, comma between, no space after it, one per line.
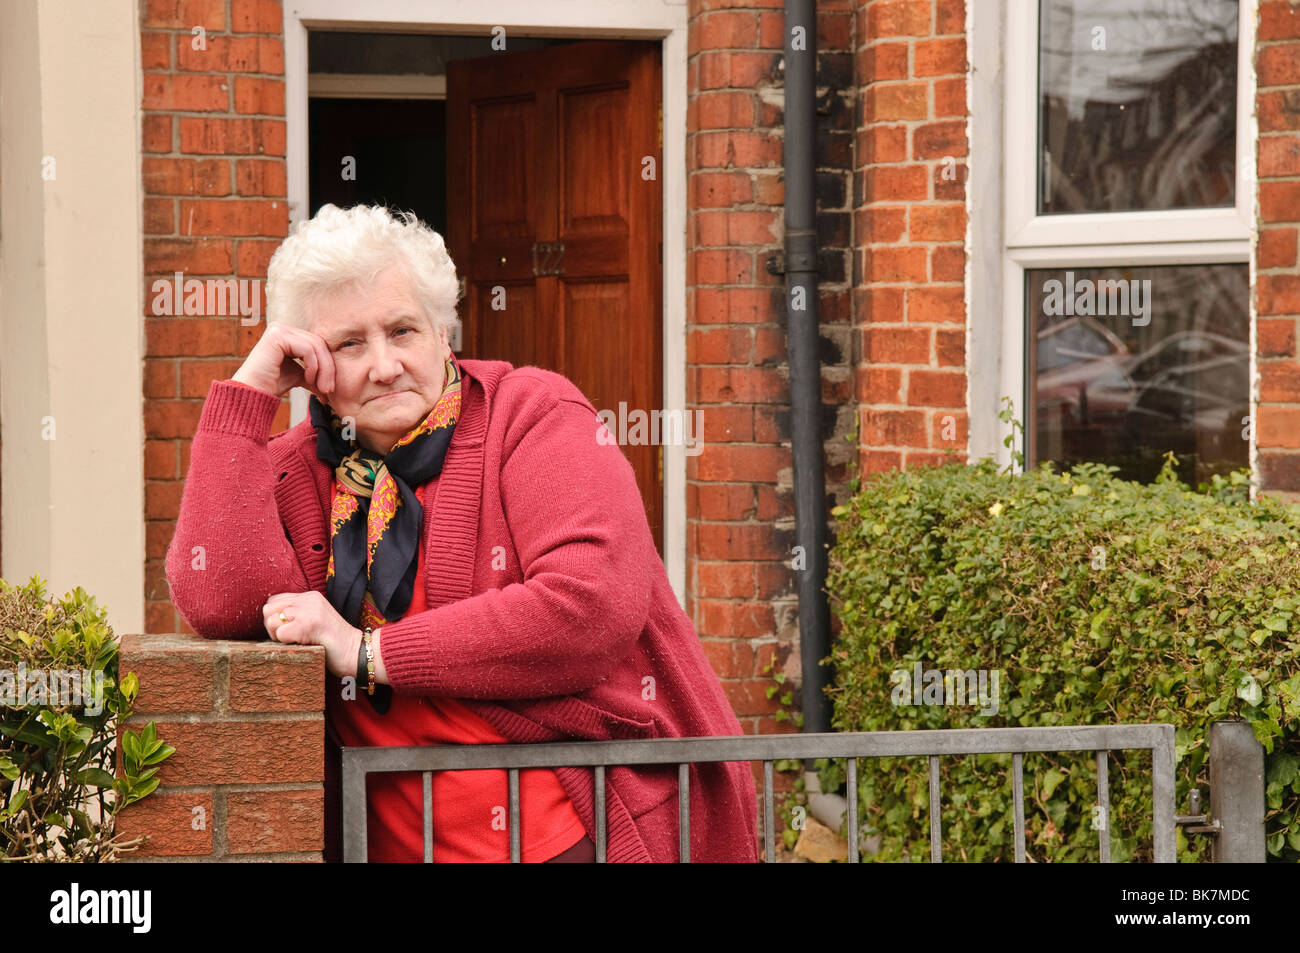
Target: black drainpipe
(803,345)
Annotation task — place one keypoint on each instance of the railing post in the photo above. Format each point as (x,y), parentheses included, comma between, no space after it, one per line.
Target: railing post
(355,847)
(1164,832)
(1237,793)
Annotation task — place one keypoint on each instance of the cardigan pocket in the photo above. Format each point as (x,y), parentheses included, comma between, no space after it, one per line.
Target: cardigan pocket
(608,725)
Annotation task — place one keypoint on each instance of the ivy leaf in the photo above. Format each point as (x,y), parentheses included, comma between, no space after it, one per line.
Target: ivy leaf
(1273,794)
(1283,767)
(131,747)
(1248,690)
(1050,782)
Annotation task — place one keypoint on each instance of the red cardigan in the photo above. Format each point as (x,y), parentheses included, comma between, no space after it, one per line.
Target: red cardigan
(579,636)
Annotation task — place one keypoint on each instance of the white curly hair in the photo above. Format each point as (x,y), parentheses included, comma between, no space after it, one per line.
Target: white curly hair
(337,247)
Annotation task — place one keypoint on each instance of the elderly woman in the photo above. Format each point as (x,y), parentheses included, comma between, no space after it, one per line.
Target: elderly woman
(476,563)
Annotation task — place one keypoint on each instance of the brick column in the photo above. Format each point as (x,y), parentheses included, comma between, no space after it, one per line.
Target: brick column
(215,207)
(247,720)
(739,500)
(909,281)
(1277,301)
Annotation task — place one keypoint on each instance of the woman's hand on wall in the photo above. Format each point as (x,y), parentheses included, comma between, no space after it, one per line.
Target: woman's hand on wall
(273,363)
(313,621)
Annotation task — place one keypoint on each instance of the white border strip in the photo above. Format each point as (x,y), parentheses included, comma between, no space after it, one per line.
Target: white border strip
(985,350)
(1248,201)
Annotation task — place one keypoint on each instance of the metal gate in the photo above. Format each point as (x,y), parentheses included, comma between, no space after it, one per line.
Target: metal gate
(1158,738)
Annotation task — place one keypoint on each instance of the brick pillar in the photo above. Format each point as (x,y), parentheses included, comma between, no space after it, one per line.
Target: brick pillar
(909,282)
(1277,301)
(247,720)
(740,507)
(215,206)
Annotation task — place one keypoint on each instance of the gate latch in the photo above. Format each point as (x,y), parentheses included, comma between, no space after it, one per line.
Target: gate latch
(1197,822)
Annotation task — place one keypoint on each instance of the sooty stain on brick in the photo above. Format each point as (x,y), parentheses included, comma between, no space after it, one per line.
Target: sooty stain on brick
(829,188)
(835,70)
(833,230)
(828,417)
(830,265)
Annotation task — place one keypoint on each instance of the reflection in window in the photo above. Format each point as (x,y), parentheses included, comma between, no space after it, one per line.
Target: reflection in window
(1130,363)
(1138,105)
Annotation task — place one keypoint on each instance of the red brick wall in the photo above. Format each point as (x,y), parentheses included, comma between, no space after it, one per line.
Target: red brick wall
(1277,299)
(214,206)
(910,223)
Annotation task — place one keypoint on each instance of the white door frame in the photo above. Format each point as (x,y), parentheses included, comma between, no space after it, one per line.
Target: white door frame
(588,19)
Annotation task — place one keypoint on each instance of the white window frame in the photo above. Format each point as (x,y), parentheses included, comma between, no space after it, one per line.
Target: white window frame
(1031,241)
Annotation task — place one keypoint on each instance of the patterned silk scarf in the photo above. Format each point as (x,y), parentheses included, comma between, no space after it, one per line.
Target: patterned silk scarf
(376,519)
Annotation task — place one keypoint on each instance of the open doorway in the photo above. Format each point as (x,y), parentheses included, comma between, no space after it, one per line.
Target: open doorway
(550,201)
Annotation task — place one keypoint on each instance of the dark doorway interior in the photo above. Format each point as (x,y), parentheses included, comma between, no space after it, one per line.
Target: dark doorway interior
(398,149)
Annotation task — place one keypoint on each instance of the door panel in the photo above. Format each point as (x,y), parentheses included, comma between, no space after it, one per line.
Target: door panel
(512,332)
(504,134)
(593,163)
(554,213)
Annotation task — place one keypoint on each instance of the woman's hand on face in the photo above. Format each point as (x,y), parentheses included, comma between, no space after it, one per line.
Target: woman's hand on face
(272,365)
(313,621)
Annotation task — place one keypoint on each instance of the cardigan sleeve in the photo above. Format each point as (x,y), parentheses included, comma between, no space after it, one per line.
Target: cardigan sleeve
(578,523)
(230,551)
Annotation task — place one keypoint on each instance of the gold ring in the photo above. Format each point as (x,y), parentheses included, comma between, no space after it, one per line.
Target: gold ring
(285,618)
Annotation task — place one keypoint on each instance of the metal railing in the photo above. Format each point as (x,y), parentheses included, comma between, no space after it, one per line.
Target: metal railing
(1158,738)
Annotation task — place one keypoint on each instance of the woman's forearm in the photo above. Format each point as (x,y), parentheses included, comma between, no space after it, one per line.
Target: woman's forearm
(229,551)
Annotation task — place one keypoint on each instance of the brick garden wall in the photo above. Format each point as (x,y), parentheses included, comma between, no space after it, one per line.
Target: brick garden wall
(247,722)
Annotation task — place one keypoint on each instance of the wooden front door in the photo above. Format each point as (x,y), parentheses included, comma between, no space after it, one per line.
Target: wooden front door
(554,222)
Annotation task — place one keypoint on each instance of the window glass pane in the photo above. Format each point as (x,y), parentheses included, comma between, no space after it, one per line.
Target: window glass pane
(1137,105)
(1132,362)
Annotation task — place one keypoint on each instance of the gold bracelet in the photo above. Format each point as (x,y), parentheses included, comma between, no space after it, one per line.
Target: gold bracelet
(370,661)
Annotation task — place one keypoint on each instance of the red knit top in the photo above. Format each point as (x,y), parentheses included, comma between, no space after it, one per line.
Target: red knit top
(471,817)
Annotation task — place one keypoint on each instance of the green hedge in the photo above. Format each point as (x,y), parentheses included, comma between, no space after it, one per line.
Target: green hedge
(1097,601)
